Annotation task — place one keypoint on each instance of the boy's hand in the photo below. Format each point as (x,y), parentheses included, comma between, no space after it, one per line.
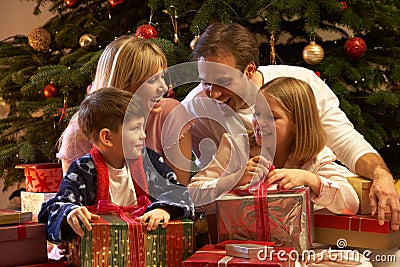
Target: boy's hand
(153,218)
(81,214)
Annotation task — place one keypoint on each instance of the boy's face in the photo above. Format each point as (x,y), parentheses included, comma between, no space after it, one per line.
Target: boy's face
(132,138)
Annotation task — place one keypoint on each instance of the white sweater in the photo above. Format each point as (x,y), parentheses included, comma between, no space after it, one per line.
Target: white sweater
(348,144)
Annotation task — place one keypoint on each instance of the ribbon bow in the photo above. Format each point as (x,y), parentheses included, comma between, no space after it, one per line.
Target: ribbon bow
(105,206)
(256,183)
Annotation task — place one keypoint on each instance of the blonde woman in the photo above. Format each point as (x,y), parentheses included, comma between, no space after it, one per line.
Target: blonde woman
(137,65)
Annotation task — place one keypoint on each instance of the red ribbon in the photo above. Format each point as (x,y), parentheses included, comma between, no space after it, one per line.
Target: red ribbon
(21,232)
(261,207)
(174,244)
(262,216)
(105,206)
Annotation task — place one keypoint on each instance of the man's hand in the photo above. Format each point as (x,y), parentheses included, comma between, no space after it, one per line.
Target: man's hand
(384,193)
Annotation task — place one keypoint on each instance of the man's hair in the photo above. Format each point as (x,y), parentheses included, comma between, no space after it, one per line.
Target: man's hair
(106,108)
(297,98)
(221,39)
(128,62)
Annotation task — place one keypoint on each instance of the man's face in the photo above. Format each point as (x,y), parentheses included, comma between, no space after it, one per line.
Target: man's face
(223,82)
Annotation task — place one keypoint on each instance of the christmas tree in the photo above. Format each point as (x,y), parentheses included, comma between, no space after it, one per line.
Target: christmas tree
(352,45)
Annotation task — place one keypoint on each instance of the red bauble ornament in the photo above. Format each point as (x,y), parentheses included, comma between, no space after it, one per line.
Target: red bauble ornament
(116,3)
(71,3)
(50,91)
(146,31)
(343,4)
(355,47)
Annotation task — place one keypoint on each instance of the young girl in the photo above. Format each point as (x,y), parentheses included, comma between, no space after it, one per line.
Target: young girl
(301,157)
(129,63)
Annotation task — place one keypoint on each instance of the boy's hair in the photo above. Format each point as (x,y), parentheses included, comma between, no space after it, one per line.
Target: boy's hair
(106,108)
(128,62)
(297,98)
(220,39)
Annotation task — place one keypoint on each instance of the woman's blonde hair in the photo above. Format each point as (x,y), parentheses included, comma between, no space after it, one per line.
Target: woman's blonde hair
(127,62)
(297,98)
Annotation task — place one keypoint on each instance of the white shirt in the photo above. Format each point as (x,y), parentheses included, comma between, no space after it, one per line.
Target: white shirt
(122,190)
(348,144)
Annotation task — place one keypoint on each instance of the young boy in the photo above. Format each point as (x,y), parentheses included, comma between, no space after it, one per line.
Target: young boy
(115,170)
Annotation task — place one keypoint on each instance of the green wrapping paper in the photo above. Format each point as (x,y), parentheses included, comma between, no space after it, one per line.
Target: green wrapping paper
(114,242)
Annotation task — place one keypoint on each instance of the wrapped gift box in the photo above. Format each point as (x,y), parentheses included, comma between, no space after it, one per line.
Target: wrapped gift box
(32,202)
(247,251)
(8,216)
(42,177)
(50,263)
(361,231)
(215,256)
(288,220)
(362,187)
(114,242)
(23,244)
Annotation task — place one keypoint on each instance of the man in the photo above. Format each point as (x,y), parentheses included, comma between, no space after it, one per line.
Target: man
(234,46)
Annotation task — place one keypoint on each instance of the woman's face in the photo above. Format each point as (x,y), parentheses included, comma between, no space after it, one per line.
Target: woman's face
(153,89)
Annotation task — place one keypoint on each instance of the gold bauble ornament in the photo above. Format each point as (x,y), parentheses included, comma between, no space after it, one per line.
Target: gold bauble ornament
(193,42)
(313,53)
(39,39)
(201,225)
(87,41)
(4,108)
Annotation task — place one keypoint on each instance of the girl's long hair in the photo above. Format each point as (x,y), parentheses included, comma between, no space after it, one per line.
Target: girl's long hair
(297,98)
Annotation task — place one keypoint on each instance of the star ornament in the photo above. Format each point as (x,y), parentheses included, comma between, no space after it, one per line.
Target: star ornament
(63,110)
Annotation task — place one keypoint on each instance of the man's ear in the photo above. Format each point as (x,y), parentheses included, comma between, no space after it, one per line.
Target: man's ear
(105,137)
(250,69)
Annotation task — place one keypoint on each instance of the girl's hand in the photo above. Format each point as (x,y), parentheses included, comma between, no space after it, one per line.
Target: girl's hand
(81,215)
(153,218)
(289,178)
(257,168)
